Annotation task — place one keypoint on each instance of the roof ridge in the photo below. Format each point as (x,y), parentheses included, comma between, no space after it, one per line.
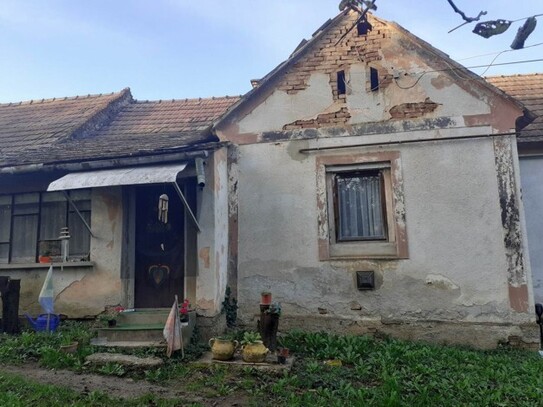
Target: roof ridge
(188,99)
(61,99)
(514,75)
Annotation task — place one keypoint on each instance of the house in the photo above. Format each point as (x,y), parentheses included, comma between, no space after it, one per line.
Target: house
(378,191)
(98,165)
(369,182)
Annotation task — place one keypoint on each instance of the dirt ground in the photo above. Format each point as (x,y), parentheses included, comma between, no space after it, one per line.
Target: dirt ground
(113,386)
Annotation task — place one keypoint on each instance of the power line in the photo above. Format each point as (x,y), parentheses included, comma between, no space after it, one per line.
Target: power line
(452,69)
(498,52)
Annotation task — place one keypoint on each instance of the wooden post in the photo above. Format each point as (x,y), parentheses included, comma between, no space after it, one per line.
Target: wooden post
(10,291)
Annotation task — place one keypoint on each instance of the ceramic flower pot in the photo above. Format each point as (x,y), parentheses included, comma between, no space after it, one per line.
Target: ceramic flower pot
(222,349)
(44,259)
(254,352)
(71,348)
(265,298)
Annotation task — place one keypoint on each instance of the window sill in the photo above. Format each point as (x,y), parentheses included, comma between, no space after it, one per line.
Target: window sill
(69,264)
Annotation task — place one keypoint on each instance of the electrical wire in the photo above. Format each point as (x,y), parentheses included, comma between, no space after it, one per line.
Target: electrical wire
(498,52)
(520,19)
(453,70)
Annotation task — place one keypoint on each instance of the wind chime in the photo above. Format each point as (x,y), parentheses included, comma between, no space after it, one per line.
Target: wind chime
(163,208)
(159,273)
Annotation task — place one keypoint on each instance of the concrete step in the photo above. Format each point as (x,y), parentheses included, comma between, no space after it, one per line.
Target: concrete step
(143,316)
(148,333)
(143,326)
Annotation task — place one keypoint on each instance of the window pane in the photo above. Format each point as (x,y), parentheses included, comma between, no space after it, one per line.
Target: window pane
(53,215)
(5,217)
(4,253)
(26,204)
(25,236)
(360,207)
(80,236)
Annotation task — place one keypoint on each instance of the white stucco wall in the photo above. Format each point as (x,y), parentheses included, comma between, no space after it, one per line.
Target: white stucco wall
(456,270)
(213,239)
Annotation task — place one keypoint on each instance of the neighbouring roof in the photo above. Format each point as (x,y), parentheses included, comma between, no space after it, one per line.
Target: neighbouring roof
(529,90)
(101,126)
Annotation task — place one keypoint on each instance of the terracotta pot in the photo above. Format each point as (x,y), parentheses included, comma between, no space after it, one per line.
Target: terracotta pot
(282,355)
(265,298)
(71,348)
(254,352)
(44,259)
(222,349)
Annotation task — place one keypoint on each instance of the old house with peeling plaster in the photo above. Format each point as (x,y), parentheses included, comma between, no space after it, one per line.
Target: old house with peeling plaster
(98,165)
(369,181)
(378,191)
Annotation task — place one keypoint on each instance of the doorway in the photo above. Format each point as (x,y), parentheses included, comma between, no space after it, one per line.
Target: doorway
(159,248)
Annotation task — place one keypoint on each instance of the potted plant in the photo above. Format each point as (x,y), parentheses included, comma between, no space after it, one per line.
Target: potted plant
(269,324)
(69,346)
(282,355)
(253,349)
(45,256)
(265,298)
(223,347)
(184,311)
(109,317)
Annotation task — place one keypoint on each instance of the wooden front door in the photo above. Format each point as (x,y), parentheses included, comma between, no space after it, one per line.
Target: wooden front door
(159,249)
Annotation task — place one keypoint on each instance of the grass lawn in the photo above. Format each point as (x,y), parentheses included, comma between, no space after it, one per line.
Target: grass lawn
(372,372)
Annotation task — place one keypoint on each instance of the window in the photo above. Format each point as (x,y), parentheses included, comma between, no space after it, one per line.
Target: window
(341,84)
(374,79)
(361,206)
(358,206)
(28,219)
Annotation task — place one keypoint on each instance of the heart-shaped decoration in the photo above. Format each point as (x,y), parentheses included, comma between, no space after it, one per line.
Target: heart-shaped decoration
(158,274)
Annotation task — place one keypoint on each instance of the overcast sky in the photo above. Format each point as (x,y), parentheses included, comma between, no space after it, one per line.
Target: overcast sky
(165,49)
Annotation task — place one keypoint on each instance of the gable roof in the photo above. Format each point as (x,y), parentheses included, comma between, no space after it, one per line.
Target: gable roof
(529,90)
(437,58)
(103,126)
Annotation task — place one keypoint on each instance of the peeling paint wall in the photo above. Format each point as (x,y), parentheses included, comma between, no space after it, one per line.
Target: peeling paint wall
(413,83)
(84,291)
(458,200)
(213,239)
(458,269)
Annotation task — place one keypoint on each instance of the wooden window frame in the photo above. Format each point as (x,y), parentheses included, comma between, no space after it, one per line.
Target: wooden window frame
(12,215)
(395,245)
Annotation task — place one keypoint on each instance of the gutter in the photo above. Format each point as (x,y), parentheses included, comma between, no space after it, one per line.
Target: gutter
(108,163)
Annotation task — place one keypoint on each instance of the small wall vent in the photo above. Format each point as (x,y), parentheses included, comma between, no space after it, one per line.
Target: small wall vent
(365,280)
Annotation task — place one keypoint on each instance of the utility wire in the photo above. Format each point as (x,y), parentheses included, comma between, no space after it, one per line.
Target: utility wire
(498,52)
(520,19)
(461,68)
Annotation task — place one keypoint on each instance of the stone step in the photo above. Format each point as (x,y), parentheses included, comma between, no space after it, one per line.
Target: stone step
(143,316)
(142,332)
(125,333)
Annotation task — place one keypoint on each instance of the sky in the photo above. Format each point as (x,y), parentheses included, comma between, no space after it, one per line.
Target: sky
(164,49)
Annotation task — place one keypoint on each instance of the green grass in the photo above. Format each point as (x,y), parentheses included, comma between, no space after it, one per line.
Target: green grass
(373,372)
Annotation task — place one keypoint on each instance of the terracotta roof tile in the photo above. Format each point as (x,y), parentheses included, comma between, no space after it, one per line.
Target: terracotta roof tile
(529,90)
(50,131)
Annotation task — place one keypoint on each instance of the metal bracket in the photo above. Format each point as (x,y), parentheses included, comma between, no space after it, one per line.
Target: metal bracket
(72,203)
(186,205)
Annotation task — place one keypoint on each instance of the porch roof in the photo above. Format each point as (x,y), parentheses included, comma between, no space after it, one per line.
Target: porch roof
(117,177)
